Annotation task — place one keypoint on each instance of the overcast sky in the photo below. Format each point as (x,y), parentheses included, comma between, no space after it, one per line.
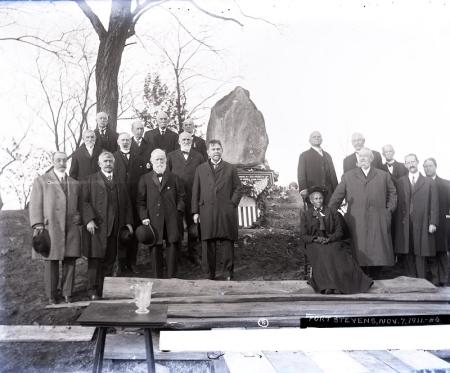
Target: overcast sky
(376,67)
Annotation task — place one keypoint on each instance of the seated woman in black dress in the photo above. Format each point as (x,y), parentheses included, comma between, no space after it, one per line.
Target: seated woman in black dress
(334,271)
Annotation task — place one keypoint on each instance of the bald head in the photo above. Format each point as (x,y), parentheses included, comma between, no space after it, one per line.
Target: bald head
(388,152)
(315,139)
(358,141)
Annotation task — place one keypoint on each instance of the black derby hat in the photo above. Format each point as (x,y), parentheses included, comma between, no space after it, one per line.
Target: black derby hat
(146,235)
(41,242)
(124,236)
(193,230)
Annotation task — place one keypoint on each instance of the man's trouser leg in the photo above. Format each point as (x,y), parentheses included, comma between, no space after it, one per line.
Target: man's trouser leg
(439,268)
(51,277)
(209,258)
(68,276)
(228,257)
(107,264)
(171,259)
(157,260)
(94,275)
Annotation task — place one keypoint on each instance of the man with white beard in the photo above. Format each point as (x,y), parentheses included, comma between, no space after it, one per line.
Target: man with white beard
(160,201)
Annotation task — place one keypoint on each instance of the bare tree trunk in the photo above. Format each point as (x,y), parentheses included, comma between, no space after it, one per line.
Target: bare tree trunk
(109,58)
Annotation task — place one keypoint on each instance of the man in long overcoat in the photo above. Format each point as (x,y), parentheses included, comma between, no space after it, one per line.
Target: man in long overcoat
(371,197)
(216,193)
(85,158)
(55,204)
(315,168)
(128,169)
(183,162)
(162,137)
(417,219)
(106,208)
(439,269)
(160,202)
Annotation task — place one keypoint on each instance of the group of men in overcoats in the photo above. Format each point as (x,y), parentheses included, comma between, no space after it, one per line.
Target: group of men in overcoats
(394,214)
(120,184)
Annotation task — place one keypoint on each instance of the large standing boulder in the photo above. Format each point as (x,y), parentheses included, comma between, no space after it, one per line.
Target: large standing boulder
(239,125)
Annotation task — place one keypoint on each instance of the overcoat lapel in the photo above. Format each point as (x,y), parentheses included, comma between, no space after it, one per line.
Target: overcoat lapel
(220,180)
(156,180)
(419,183)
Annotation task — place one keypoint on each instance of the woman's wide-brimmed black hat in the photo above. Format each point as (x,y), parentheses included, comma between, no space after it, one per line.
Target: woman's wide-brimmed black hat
(317,189)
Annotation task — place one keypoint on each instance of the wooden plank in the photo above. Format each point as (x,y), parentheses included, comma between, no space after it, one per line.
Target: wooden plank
(252,362)
(291,362)
(304,308)
(119,287)
(442,297)
(132,347)
(45,333)
(395,363)
(421,360)
(370,362)
(336,362)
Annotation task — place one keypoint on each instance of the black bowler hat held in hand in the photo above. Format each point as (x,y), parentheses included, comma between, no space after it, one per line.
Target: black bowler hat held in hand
(41,242)
(146,235)
(124,236)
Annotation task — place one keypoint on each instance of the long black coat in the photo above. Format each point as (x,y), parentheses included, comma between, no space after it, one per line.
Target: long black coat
(129,172)
(371,201)
(350,161)
(185,170)
(161,203)
(215,196)
(316,170)
(168,142)
(109,141)
(83,164)
(95,207)
(425,211)
(443,186)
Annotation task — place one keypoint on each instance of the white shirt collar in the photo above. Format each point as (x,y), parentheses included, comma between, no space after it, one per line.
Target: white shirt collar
(106,174)
(366,172)
(318,149)
(416,176)
(60,175)
(215,162)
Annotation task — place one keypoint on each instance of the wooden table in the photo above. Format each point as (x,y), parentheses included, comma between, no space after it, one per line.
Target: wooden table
(103,316)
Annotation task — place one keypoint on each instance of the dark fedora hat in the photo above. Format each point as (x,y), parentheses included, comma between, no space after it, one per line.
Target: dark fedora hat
(41,242)
(125,237)
(317,189)
(146,235)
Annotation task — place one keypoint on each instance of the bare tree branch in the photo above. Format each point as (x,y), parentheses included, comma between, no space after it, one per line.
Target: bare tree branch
(215,15)
(93,18)
(255,18)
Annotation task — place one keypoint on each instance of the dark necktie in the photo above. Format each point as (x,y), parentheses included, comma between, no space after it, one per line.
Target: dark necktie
(162,133)
(64,184)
